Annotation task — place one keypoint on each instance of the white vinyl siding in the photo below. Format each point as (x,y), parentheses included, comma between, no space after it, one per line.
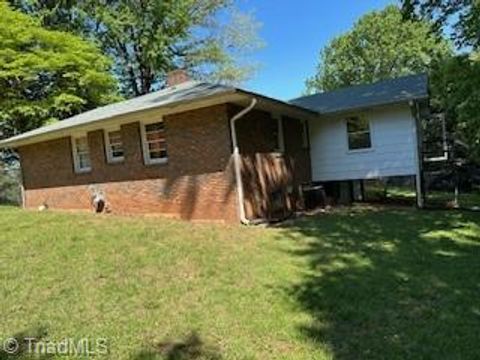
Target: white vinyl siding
(114,146)
(81,154)
(392,153)
(154,143)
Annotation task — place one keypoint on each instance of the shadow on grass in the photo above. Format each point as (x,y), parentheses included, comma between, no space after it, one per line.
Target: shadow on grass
(20,346)
(391,284)
(190,348)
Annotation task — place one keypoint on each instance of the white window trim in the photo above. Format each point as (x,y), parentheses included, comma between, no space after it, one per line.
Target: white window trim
(370,131)
(146,153)
(108,150)
(76,163)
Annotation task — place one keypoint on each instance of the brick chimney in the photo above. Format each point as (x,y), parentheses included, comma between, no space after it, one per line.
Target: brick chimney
(177,77)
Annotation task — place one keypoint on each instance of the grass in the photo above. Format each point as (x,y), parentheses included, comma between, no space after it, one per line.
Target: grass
(434,198)
(465,200)
(394,194)
(390,284)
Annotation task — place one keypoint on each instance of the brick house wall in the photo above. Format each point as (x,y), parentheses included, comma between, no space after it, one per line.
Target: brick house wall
(271,179)
(196,183)
(198,180)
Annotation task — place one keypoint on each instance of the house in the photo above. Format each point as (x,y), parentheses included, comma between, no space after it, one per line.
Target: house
(368,132)
(207,151)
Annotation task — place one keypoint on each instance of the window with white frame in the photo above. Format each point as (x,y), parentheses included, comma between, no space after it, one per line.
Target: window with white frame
(114,145)
(154,143)
(358,129)
(81,154)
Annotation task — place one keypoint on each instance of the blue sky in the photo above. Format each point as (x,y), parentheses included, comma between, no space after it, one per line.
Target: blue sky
(294,33)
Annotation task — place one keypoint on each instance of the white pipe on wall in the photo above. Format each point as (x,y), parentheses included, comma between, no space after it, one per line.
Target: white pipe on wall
(236,161)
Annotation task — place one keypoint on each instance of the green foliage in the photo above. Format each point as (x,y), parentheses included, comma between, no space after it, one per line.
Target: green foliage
(46,75)
(381,45)
(9,184)
(455,82)
(148,38)
(459,18)
(455,87)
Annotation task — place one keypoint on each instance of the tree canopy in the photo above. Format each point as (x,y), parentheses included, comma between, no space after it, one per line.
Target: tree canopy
(455,89)
(455,82)
(148,38)
(47,75)
(381,45)
(460,18)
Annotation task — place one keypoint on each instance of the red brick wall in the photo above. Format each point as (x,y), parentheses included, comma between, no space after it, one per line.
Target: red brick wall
(265,171)
(196,183)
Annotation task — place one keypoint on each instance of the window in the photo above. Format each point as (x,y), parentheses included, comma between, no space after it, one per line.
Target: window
(114,146)
(277,134)
(154,143)
(81,154)
(358,129)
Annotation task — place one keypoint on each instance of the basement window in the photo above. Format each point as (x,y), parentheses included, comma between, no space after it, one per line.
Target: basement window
(81,154)
(358,129)
(154,143)
(114,146)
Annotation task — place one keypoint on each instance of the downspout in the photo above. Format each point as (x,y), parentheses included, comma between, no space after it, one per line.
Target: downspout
(236,161)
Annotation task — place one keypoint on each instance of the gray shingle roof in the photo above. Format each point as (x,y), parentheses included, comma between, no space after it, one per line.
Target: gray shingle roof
(403,89)
(191,90)
(361,96)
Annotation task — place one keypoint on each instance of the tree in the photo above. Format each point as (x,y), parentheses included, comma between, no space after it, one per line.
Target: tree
(460,18)
(381,45)
(455,88)
(10,180)
(149,38)
(455,82)
(46,75)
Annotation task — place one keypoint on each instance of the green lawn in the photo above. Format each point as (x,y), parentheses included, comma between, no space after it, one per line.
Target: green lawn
(465,200)
(362,284)
(433,198)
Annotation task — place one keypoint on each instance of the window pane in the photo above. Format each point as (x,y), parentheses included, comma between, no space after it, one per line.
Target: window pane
(84,161)
(81,144)
(115,136)
(115,144)
(158,154)
(82,153)
(358,130)
(152,136)
(156,146)
(116,147)
(356,124)
(359,141)
(155,127)
(155,138)
(117,153)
